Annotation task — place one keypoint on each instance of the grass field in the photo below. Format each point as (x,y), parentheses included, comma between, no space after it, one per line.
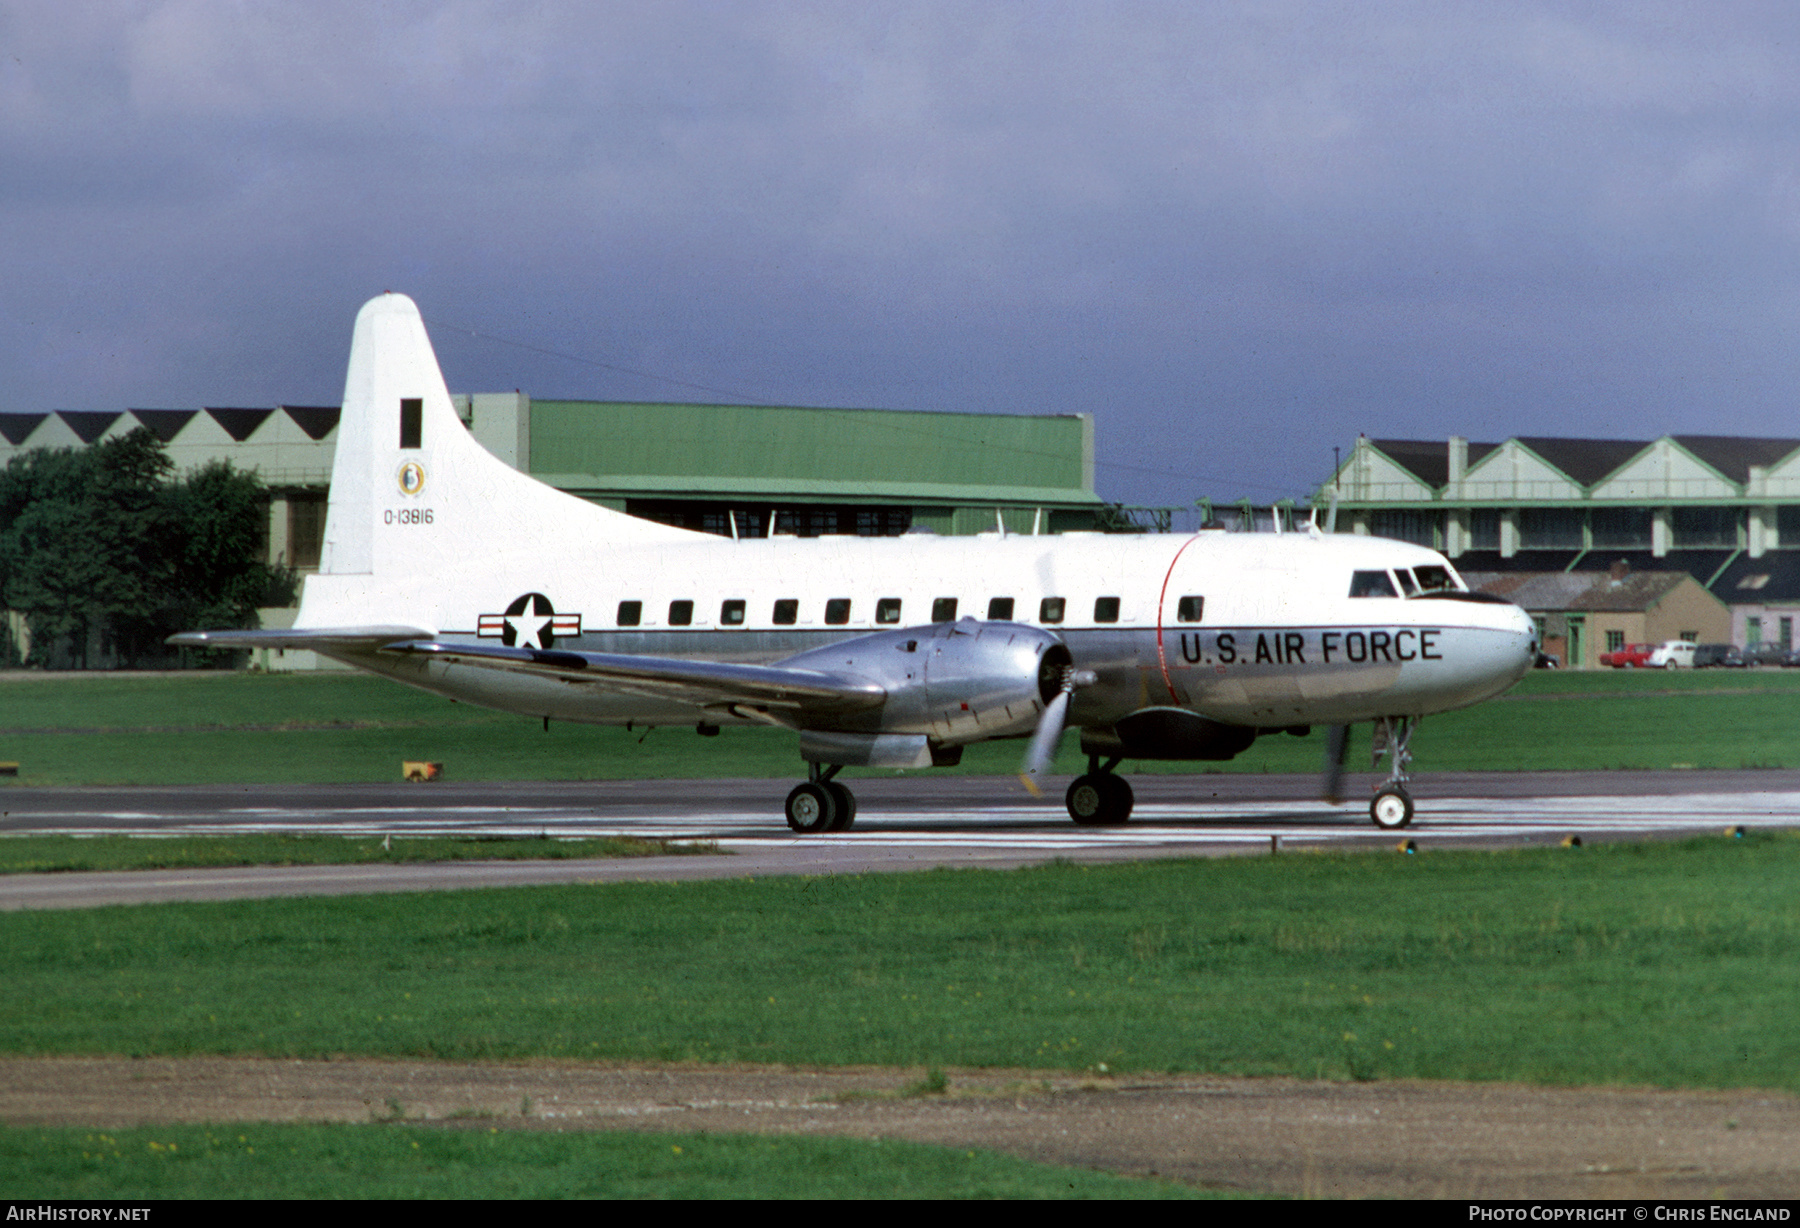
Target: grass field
(61,854)
(1661,964)
(207,727)
(478,1161)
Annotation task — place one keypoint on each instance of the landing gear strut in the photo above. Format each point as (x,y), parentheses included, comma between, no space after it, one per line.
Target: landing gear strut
(1099,799)
(1392,807)
(821,804)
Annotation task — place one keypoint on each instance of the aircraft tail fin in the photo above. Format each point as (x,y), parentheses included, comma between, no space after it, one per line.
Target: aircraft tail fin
(415,501)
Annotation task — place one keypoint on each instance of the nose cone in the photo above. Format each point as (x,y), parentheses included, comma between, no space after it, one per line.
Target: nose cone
(1491,645)
(1516,649)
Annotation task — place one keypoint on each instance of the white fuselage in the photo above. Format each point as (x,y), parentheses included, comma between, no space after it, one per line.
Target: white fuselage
(1274,640)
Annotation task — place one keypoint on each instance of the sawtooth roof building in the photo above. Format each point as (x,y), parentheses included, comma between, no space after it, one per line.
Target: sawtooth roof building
(744,470)
(1723,509)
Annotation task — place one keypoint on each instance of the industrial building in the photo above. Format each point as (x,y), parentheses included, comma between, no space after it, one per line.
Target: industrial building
(1724,510)
(743,470)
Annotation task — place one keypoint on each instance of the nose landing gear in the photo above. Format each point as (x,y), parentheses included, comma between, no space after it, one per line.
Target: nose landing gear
(1392,807)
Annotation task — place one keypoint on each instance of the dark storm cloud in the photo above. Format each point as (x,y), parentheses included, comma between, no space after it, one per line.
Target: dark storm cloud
(1237,234)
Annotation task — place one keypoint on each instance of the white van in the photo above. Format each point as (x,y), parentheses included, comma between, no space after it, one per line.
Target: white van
(1672,654)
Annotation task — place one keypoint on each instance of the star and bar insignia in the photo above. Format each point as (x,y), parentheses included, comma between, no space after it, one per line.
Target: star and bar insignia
(529,622)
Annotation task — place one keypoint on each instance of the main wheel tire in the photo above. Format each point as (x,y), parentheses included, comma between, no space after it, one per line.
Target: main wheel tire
(846,806)
(1099,800)
(1122,798)
(1086,800)
(811,808)
(1392,808)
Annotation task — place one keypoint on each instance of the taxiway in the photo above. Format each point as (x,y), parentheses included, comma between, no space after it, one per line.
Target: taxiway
(903,824)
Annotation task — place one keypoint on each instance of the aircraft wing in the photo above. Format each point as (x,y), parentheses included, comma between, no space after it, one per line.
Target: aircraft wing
(704,683)
(316,638)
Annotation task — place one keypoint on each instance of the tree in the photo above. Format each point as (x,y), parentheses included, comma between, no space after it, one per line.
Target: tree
(103,549)
(219,576)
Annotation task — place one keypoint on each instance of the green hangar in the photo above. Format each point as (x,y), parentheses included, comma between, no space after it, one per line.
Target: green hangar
(734,470)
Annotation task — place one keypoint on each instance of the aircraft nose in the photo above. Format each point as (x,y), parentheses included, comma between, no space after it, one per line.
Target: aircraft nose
(1526,629)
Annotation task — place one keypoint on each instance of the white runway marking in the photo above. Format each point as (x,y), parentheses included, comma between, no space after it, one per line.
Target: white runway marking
(1012,829)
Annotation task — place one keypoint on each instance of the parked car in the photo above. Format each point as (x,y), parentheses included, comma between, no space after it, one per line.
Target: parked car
(1632,656)
(1718,656)
(1767,653)
(1672,654)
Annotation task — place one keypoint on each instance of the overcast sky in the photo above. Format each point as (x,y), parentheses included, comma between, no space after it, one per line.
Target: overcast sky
(1237,234)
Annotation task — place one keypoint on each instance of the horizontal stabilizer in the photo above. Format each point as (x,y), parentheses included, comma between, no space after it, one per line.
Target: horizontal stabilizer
(798,692)
(315,638)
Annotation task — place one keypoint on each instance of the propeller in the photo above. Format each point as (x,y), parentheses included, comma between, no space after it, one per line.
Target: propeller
(1337,746)
(1042,748)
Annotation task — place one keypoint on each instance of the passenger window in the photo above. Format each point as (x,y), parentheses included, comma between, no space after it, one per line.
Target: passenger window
(1050,610)
(887,610)
(943,610)
(1372,584)
(1188,609)
(1106,609)
(1433,578)
(837,611)
(631,613)
(1408,585)
(731,614)
(787,612)
(1000,610)
(681,613)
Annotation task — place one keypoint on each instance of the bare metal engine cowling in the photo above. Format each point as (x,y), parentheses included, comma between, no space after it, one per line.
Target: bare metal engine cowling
(952,682)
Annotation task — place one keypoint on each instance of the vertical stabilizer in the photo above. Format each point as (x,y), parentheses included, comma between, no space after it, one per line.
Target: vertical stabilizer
(391,363)
(416,504)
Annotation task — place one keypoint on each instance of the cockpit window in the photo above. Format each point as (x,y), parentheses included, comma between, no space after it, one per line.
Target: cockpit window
(1433,578)
(1408,585)
(1372,584)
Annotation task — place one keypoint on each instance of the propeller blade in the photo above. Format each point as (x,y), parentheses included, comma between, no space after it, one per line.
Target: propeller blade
(1044,739)
(1337,746)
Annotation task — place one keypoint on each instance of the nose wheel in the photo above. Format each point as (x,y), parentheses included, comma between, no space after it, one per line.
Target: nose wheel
(1392,808)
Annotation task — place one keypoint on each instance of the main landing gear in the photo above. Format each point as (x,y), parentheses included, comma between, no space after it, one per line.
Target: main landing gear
(1099,799)
(1392,807)
(821,804)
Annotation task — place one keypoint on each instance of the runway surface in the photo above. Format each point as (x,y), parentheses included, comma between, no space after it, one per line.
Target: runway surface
(903,823)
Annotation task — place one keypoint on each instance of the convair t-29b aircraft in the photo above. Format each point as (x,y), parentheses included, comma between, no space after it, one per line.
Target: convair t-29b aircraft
(447,569)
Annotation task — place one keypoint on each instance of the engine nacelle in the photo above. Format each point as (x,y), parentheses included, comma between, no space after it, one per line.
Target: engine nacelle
(957,682)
